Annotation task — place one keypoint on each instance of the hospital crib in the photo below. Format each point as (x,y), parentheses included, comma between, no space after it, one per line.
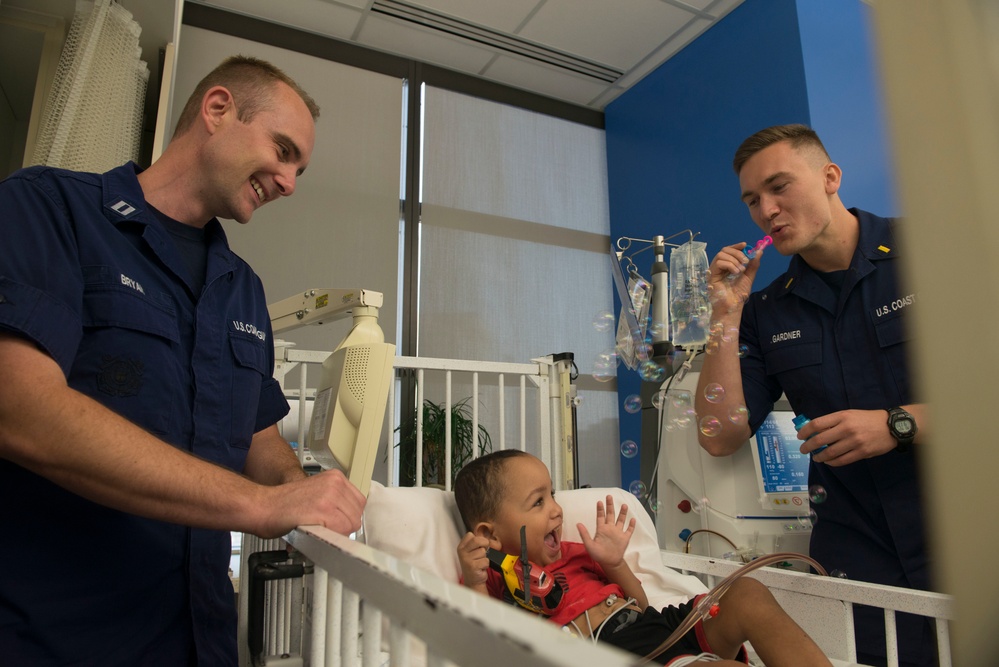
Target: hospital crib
(392,599)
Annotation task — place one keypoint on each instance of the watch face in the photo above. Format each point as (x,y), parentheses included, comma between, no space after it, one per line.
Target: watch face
(903,426)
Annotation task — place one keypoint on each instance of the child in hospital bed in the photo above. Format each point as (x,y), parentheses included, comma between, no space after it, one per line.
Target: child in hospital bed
(502,492)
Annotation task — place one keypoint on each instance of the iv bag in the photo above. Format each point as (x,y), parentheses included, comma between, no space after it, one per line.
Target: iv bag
(688,295)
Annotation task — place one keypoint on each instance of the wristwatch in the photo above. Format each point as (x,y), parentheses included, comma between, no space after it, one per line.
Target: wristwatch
(902,427)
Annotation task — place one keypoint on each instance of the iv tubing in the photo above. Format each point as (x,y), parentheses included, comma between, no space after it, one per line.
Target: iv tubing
(702,610)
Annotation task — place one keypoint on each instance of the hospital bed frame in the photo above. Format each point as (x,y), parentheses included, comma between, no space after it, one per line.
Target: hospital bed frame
(412,617)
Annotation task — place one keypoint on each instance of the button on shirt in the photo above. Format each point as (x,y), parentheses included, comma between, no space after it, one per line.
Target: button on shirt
(829,352)
(89,274)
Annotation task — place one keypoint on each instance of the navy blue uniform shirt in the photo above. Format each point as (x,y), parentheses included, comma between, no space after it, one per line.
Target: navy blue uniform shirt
(89,275)
(829,352)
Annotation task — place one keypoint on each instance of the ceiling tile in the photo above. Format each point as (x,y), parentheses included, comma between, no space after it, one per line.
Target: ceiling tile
(393,36)
(318,16)
(618,33)
(505,16)
(544,80)
(676,42)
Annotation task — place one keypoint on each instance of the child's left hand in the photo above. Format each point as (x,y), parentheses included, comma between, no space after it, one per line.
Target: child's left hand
(611,538)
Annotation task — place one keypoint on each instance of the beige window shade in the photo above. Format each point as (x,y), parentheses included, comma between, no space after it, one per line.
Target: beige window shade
(514,248)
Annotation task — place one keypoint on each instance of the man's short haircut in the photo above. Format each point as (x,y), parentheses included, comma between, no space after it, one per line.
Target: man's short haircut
(251,82)
(798,135)
(479,487)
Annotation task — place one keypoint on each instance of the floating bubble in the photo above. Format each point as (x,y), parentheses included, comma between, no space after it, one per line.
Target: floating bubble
(685,418)
(714,393)
(654,505)
(808,519)
(711,347)
(839,574)
(700,506)
(632,404)
(670,426)
(656,329)
(743,351)
(739,414)
(710,426)
(716,328)
(681,398)
(650,371)
(817,494)
(638,489)
(730,334)
(629,449)
(605,366)
(657,400)
(603,321)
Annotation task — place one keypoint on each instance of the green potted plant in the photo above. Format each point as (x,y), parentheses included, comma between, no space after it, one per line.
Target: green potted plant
(463,442)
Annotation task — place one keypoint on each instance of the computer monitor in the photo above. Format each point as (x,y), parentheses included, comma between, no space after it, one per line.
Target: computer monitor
(349,408)
(781,468)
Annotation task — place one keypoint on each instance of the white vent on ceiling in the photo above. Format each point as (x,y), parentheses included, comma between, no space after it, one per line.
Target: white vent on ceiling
(495,39)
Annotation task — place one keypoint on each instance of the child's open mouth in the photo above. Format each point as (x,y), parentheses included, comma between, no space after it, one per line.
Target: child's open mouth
(552,540)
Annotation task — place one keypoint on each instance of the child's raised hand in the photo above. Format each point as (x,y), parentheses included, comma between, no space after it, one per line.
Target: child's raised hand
(473,560)
(612,535)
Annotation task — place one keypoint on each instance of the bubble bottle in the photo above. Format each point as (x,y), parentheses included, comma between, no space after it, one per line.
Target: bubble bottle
(801,420)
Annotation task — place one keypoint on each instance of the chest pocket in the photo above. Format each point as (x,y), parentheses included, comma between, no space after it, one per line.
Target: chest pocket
(128,356)
(250,368)
(796,363)
(891,332)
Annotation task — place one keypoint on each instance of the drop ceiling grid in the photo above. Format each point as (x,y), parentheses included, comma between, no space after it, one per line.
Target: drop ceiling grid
(618,34)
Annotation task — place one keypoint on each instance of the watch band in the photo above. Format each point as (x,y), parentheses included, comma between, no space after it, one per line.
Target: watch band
(902,427)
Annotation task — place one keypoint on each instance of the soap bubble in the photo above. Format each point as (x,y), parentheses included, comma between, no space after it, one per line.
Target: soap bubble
(716,329)
(730,334)
(650,371)
(603,321)
(714,392)
(638,489)
(808,519)
(681,398)
(743,351)
(656,329)
(657,400)
(700,506)
(632,404)
(685,418)
(629,449)
(839,574)
(817,494)
(654,505)
(605,366)
(739,414)
(710,426)
(711,347)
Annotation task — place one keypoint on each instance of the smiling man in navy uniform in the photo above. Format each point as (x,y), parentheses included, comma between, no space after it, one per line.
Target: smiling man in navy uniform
(137,409)
(830,334)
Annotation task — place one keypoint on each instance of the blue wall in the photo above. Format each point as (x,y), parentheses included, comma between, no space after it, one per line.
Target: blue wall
(670,139)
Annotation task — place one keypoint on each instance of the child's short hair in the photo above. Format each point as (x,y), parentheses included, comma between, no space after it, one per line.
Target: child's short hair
(479,486)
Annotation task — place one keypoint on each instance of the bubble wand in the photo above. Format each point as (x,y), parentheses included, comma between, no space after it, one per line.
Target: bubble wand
(753,252)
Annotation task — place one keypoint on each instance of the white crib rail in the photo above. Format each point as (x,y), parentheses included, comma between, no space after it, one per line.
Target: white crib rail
(356,587)
(801,588)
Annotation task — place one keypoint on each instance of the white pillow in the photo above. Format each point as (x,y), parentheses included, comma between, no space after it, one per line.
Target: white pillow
(421,526)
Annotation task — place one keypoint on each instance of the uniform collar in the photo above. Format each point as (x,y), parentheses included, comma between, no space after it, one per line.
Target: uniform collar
(876,242)
(125,202)
(123,198)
